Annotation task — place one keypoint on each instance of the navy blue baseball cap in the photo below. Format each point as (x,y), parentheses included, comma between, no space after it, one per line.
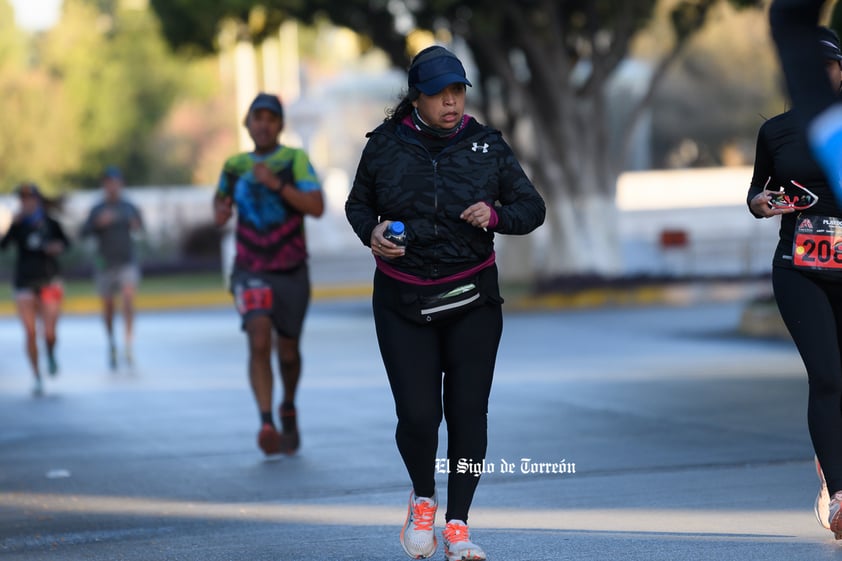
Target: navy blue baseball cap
(435,68)
(112,172)
(269,102)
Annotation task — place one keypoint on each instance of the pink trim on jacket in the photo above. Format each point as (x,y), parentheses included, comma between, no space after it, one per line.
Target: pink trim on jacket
(391,272)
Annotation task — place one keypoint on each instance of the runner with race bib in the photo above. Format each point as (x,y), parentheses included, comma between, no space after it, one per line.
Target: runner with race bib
(807,275)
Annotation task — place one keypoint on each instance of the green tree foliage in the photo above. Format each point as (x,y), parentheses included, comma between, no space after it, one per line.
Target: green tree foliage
(118,83)
(194,25)
(94,90)
(710,106)
(12,41)
(30,115)
(544,73)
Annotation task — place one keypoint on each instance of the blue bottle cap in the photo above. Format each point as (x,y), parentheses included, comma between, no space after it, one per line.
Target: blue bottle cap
(397,227)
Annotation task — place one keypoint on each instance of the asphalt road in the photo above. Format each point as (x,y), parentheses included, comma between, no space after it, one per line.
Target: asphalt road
(688,441)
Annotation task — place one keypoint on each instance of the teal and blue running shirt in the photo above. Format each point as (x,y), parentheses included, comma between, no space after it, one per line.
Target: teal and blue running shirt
(269,232)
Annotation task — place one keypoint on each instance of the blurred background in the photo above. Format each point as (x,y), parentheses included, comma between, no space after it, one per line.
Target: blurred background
(636,120)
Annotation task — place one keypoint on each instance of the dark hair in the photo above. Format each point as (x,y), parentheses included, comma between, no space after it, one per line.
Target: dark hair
(50,204)
(403,108)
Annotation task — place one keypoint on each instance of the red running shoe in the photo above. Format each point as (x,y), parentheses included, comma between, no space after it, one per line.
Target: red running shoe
(290,438)
(269,440)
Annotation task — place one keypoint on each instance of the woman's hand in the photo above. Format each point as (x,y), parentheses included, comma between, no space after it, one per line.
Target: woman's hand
(761,205)
(264,175)
(381,247)
(105,218)
(477,215)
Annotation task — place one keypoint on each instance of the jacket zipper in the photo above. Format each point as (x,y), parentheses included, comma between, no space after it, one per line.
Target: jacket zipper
(435,181)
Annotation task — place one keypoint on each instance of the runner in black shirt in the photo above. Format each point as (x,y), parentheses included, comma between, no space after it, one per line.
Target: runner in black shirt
(807,273)
(39,239)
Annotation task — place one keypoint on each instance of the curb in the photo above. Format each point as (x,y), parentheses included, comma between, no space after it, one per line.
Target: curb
(762,319)
(90,304)
(673,294)
(667,294)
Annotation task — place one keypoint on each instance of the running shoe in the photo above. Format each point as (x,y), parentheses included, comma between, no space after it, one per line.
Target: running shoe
(458,545)
(129,356)
(269,440)
(290,437)
(52,365)
(834,517)
(822,506)
(112,356)
(418,537)
(38,387)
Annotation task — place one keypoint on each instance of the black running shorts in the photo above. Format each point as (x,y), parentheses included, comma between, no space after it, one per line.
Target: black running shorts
(281,295)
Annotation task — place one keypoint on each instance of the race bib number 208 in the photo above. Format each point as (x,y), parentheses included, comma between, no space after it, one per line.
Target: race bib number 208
(818,243)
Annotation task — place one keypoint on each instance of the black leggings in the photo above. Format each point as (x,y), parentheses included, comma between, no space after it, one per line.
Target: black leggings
(415,356)
(812,311)
(793,24)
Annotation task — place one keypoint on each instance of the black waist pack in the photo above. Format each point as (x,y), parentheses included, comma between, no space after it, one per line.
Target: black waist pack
(428,304)
(448,302)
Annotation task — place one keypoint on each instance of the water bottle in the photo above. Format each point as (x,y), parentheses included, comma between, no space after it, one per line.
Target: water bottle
(396,233)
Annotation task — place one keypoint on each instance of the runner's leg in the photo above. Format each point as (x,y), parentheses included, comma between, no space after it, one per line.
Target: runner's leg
(813,317)
(259,333)
(27,307)
(470,352)
(50,308)
(412,357)
(128,291)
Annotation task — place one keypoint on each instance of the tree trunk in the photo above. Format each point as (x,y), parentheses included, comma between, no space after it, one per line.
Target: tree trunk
(582,239)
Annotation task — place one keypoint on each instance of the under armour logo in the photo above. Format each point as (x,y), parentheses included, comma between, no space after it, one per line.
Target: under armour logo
(477,147)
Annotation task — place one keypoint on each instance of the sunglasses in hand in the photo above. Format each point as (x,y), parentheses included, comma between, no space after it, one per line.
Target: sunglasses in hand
(800,199)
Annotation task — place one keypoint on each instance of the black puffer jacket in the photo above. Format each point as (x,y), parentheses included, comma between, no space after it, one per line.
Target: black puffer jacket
(399,179)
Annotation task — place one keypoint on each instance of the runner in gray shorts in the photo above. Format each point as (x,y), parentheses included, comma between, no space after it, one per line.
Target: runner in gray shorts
(115,222)
(112,280)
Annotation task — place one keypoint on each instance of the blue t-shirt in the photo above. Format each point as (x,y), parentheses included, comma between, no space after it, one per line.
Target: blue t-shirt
(269,232)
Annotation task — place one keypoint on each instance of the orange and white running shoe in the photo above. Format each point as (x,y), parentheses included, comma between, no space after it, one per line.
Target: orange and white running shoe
(458,545)
(822,506)
(418,537)
(834,516)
